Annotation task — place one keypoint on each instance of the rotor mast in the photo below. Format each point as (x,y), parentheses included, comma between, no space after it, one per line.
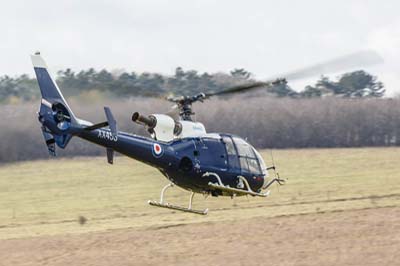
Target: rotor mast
(184,105)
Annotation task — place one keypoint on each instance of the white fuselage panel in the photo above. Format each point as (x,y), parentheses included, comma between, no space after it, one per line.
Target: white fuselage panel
(192,129)
(164,129)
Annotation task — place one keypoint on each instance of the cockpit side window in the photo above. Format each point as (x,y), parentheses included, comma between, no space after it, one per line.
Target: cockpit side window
(253,165)
(230,149)
(249,160)
(233,160)
(244,149)
(261,162)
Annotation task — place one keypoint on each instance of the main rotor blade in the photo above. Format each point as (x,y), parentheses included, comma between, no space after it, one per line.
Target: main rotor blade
(350,61)
(347,62)
(239,88)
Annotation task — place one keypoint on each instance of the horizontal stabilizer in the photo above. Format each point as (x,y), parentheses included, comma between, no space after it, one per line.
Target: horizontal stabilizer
(97,126)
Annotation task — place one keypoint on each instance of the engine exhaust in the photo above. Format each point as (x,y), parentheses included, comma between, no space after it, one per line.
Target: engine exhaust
(149,121)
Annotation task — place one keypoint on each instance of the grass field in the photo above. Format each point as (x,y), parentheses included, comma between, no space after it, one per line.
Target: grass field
(48,197)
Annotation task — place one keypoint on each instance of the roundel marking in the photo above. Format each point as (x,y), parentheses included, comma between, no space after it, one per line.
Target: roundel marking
(157,150)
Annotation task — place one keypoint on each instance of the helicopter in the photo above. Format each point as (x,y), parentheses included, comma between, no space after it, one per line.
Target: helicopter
(216,164)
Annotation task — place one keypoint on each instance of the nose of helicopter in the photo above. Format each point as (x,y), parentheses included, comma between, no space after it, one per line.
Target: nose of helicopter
(261,181)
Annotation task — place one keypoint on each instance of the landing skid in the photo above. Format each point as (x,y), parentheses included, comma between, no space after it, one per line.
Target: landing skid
(178,208)
(163,204)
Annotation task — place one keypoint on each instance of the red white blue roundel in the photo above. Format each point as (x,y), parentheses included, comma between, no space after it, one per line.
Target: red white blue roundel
(157,150)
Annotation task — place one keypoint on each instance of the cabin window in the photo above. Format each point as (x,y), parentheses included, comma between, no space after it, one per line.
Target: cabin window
(253,165)
(233,160)
(249,160)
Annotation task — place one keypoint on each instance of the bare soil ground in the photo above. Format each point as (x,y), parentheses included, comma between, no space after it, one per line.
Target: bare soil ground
(354,237)
(339,207)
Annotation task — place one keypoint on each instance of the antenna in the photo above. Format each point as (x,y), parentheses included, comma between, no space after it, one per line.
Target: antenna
(274,167)
(277,178)
(273,164)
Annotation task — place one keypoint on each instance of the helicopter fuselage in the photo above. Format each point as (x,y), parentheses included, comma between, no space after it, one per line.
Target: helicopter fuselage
(186,161)
(182,150)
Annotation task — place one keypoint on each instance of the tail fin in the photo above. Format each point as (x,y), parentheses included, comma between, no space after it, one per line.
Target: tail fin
(51,94)
(57,119)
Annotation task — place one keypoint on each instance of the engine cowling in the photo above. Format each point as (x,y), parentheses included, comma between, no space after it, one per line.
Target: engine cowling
(162,127)
(165,128)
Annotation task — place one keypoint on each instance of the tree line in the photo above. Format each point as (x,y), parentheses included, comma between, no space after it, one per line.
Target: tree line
(264,121)
(357,84)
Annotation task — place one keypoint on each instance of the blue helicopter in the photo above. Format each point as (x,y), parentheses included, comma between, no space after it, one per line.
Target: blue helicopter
(216,164)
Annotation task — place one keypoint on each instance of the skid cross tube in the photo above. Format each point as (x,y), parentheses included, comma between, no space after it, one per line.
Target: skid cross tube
(191,200)
(163,204)
(163,192)
(215,175)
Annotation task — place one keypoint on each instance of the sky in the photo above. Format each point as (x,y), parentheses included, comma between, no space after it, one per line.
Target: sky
(265,37)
